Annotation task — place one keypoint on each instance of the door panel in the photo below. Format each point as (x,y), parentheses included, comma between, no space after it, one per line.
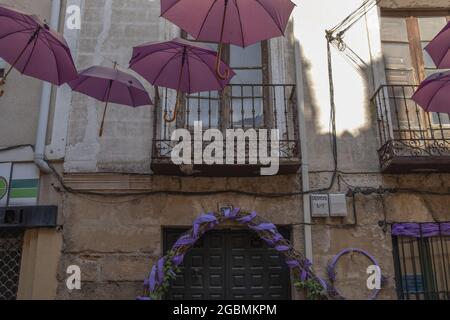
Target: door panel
(230,265)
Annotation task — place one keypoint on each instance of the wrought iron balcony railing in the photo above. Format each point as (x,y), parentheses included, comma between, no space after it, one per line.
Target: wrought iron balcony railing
(410,139)
(244,106)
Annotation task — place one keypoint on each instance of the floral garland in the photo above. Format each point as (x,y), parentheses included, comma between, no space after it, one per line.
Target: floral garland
(331,270)
(421,230)
(158,282)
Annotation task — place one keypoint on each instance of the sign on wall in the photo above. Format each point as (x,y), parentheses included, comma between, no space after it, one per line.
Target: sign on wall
(5,173)
(19,184)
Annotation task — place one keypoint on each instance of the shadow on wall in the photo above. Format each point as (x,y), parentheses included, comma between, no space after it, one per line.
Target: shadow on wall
(357,146)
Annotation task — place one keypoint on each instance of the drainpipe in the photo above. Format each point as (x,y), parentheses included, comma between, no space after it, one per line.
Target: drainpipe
(304,150)
(44,110)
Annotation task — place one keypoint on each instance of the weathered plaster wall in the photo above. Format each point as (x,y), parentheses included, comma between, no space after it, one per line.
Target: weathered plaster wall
(20,104)
(109,31)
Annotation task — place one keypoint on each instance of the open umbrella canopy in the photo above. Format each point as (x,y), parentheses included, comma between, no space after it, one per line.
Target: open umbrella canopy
(111,86)
(439,48)
(238,22)
(33,48)
(179,65)
(434,93)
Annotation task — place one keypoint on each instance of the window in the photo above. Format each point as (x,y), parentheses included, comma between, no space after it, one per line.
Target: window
(404,37)
(422,267)
(240,105)
(250,101)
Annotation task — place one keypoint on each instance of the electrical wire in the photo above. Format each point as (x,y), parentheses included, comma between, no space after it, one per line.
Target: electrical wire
(20,146)
(366,191)
(355,16)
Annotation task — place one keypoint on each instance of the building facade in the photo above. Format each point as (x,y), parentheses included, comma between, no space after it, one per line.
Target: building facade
(120,202)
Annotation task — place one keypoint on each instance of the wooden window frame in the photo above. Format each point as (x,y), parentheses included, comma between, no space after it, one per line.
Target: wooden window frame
(225,98)
(415,42)
(412,27)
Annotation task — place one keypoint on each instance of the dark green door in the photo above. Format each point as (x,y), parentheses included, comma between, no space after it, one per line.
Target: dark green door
(230,265)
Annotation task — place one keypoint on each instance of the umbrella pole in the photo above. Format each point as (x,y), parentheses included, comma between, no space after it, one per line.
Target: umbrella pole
(3,80)
(219,52)
(100,134)
(177,104)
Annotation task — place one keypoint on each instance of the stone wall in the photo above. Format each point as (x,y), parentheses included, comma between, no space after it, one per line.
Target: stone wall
(115,240)
(368,235)
(415,4)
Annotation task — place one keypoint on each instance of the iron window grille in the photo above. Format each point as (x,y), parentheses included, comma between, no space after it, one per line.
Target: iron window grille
(404,129)
(241,106)
(422,267)
(11,240)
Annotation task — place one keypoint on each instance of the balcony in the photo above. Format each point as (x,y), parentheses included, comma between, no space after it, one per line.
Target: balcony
(246,106)
(411,140)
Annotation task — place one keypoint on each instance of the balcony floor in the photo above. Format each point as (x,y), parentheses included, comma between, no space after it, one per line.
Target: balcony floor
(417,164)
(164,167)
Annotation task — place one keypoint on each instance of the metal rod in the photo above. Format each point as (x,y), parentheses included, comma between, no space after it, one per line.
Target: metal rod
(106,108)
(219,51)
(177,104)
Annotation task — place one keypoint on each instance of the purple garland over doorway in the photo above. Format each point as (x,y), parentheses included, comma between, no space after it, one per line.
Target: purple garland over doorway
(165,267)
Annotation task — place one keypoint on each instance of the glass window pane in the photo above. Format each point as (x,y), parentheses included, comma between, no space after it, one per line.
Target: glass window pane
(247,112)
(441,118)
(247,77)
(397,56)
(247,91)
(430,26)
(204,107)
(427,58)
(393,29)
(248,57)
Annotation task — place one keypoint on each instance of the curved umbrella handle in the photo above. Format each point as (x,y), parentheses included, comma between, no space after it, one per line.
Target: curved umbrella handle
(223,76)
(174,117)
(175,111)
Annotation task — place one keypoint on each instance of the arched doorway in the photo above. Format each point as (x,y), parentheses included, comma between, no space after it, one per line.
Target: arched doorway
(230,264)
(158,284)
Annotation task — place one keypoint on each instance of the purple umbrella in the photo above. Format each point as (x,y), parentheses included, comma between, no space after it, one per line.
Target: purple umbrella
(433,93)
(29,45)
(178,65)
(111,85)
(238,22)
(439,48)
